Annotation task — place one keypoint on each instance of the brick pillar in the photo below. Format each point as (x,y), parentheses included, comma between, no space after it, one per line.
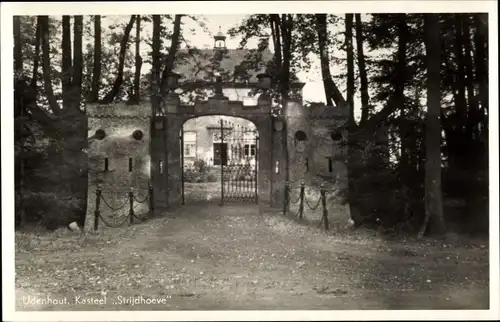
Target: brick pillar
(298,130)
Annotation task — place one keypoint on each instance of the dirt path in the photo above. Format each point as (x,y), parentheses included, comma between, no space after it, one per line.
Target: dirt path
(237,258)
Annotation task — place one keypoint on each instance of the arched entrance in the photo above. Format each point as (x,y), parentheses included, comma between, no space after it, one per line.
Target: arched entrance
(219,156)
(167,169)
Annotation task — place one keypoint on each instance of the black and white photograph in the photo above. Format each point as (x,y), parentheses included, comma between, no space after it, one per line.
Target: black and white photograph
(234,160)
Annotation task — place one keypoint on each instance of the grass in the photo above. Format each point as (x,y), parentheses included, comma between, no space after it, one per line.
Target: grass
(237,257)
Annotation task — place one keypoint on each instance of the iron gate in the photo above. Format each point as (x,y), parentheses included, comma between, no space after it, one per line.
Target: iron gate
(232,168)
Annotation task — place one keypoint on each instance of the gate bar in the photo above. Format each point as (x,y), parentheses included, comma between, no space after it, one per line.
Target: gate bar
(182,165)
(221,162)
(256,164)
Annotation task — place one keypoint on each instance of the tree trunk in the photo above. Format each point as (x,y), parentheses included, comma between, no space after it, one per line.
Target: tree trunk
(322,32)
(174,45)
(138,62)
(156,66)
(353,136)
(433,194)
(480,44)
(115,89)
(77,62)
(396,100)
(80,117)
(36,59)
(332,93)
(350,65)
(156,97)
(47,77)
(460,103)
(66,62)
(399,100)
(96,73)
(365,108)
(18,72)
(281,31)
(471,125)
(286,26)
(18,51)
(276,34)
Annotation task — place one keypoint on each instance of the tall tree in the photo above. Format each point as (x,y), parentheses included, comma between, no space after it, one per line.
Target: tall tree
(350,65)
(66,62)
(111,95)
(469,80)
(362,69)
(281,33)
(96,72)
(19,111)
(324,56)
(481,48)
(18,51)
(77,61)
(36,59)
(156,66)
(399,82)
(156,95)
(460,102)
(47,79)
(138,61)
(332,93)
(433,192)
(174,45)
(362,137)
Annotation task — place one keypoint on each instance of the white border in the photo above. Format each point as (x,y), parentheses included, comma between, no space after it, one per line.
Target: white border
(246,7)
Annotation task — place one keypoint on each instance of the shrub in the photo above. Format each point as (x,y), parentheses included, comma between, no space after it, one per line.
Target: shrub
(200,166)
(51,210)
(211,177)
(190,175)
(197,172)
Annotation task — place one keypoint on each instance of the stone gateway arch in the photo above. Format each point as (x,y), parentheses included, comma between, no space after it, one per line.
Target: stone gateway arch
(133,146)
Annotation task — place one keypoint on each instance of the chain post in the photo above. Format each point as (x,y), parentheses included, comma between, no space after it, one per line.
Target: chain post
(285,199)
(151,199)
(325,210)
(131,201)
(221,161)
(97,212)
(301,206)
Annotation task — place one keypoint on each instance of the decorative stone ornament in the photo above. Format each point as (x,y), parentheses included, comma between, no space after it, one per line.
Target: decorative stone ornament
(300,136)
(300,146)
(173,80)
(264,80)
(300,141)
(138,135)
(278,124)
(100,134)
(158,123)
(218,85)
(336,136)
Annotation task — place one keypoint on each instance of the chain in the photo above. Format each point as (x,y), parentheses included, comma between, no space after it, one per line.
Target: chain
(141,219)
(321,222)
(312,208)
(113,208)
(298,213)
(141,201)
(298,198)
(111,225)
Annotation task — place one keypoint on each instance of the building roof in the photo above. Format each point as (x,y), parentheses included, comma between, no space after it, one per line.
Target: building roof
(234,65)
